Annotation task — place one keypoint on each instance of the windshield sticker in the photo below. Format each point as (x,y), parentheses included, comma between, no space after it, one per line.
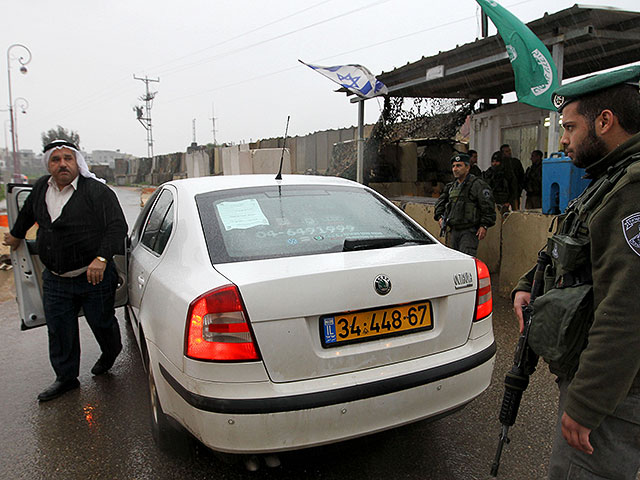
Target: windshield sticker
(330,231)
(241,215)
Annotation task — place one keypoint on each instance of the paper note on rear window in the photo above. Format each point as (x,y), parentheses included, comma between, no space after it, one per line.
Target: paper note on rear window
(242,214)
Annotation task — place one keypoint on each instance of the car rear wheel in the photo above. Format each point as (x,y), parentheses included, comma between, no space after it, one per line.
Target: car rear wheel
(165,435)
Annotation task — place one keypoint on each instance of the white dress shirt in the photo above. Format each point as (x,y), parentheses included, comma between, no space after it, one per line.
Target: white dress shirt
(56,199)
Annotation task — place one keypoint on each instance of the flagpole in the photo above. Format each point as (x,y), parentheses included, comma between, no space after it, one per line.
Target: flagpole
(360,159)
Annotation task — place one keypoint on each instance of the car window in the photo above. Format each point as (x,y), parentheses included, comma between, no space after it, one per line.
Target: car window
(268,222)
(165,231)
(156,231)
(141,221)
(22,197)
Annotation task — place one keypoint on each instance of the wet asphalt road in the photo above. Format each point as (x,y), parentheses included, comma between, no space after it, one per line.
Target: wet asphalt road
(101,431)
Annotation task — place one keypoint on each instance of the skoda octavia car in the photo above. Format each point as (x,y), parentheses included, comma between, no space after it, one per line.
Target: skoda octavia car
(274,315)
(280,314)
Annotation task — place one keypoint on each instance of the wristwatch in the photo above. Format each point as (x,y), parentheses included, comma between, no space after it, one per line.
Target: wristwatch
(102,259)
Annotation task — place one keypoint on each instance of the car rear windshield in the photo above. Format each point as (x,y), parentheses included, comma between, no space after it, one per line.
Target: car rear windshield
(269,222)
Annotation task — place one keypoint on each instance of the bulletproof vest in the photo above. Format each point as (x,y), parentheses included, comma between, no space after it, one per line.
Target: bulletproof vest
(563,315)
(461,211)
(569,248)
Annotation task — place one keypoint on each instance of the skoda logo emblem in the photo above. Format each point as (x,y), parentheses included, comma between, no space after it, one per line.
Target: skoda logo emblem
(382,284)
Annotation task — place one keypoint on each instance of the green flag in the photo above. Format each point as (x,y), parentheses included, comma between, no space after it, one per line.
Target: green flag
(533,67)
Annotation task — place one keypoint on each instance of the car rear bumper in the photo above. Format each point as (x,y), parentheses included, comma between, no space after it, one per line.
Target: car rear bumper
(276,423)
(255,406)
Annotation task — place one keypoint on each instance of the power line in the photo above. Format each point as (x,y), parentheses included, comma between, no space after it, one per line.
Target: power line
(244,34)
(87,102)
(347,52)
(271,39)
(117,85)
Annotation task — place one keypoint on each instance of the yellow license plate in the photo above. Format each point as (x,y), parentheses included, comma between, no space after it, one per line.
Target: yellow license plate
(350,327)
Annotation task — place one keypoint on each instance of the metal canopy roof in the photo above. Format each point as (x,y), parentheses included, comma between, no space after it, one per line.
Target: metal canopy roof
(595,38)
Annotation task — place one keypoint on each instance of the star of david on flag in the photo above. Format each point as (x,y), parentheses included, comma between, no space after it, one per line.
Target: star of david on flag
(355,78)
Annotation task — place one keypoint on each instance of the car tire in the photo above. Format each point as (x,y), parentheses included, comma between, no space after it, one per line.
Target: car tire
(167,437)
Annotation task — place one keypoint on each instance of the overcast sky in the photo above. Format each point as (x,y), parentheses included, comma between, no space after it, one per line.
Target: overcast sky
(236,56)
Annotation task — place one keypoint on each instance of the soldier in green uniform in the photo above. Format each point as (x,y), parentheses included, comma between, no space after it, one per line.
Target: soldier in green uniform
(465,207)
(587,325)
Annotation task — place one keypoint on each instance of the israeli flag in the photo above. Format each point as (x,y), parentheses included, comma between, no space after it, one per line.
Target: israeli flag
(355,78)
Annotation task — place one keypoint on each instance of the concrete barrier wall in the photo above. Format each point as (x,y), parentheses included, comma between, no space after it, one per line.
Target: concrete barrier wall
(523,235)
(312,151)
(197,163)
(309,152)
(267,160)
(241,161)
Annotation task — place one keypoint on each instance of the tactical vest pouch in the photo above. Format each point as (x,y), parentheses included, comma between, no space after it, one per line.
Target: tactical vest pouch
(569,254)
(560,326)
(470,213)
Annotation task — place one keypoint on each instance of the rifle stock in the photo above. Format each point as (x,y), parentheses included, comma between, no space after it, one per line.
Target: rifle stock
(524,364)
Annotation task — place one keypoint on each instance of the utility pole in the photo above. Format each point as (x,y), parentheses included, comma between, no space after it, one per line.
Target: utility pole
(213,119)
(145,117)
(194,132)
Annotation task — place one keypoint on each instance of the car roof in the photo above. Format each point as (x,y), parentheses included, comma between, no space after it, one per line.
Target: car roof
(226,182)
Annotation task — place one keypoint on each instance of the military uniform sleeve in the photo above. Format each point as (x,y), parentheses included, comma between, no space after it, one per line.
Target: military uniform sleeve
(611,361)
(114,223)
(486,204)
(441,204)
(525,283)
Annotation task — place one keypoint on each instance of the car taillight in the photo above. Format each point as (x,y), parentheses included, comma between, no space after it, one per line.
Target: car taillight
(484,301)
(217,327)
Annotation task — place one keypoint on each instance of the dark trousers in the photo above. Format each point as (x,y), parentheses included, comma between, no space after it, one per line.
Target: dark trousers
(616,445)
(63,298)
(464,240)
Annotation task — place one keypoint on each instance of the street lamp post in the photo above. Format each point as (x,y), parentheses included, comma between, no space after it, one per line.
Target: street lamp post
(23,69)
(20,104)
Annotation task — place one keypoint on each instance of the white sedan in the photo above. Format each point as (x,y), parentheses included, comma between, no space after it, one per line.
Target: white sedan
(280,314)
(274,315)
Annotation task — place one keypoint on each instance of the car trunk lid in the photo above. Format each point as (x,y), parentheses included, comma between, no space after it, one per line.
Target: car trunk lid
(289,299)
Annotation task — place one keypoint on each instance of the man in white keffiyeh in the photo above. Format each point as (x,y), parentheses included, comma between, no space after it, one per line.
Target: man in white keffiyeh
(82,163)
(81,227)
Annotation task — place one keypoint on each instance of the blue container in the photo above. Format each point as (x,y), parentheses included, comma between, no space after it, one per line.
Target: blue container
(561,182)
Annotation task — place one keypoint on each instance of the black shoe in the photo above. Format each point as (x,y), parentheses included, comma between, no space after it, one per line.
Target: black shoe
(104,363)
(57,388)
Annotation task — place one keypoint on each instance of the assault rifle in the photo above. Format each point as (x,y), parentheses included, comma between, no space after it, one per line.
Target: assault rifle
(524,364)
(443,228)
